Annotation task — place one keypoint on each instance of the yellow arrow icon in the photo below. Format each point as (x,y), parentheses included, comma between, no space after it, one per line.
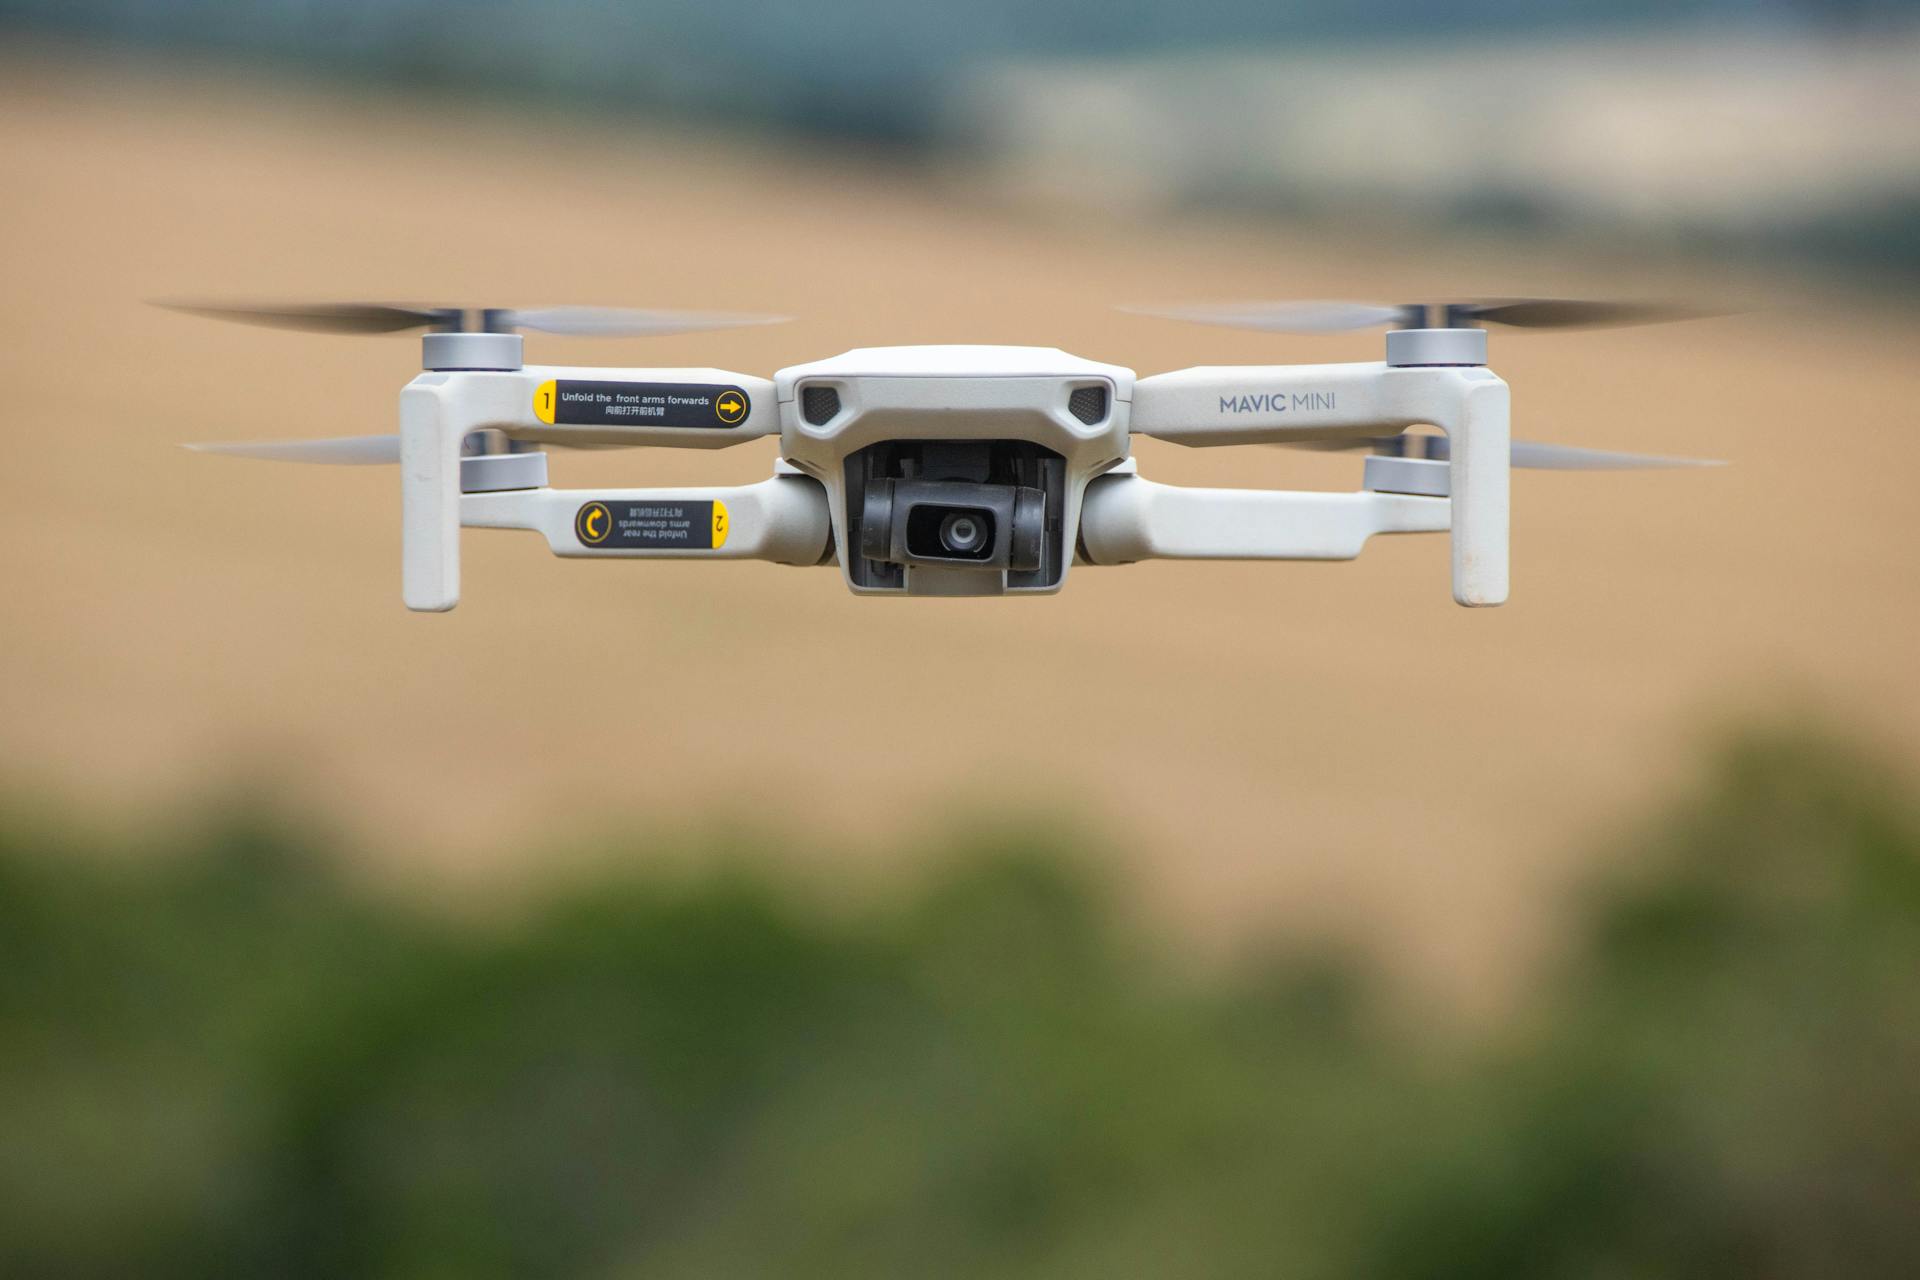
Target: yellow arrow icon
(731,408)
(593,524)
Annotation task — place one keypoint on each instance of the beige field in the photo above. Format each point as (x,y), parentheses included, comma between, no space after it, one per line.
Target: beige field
(1262,745)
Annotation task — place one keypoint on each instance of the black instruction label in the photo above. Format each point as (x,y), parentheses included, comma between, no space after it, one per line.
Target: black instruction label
(569,402)
(699,526)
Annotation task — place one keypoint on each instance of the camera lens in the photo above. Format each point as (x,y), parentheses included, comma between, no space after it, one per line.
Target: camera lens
(948,533)
(962,533)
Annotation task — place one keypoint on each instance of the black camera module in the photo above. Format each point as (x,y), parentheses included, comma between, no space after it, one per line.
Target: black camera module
(977,505)
(954,523)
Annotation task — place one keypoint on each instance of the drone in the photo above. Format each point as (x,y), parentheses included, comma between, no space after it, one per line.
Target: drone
(956,471)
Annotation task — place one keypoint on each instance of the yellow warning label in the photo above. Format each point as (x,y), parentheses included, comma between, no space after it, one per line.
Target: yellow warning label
(719,524)
(543,402)
(730,408)
(594,522)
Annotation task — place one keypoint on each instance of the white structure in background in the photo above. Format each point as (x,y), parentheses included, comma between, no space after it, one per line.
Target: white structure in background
(1700,130)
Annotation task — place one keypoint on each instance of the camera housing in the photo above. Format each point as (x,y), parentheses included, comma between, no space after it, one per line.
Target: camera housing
(955,470)
(984,526)
(993,505)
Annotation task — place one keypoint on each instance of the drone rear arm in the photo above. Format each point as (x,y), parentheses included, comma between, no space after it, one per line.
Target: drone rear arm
(1125,518)
(566,406)
(783,519)
(1275,404)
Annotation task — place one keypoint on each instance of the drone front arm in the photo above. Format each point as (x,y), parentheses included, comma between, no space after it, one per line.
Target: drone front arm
(783,519)
(1125,518)
(678,408)
(1270,404)
(1260,404)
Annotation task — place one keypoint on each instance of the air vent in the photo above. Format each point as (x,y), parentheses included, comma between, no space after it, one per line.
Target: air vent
(818,405)
(1089,404)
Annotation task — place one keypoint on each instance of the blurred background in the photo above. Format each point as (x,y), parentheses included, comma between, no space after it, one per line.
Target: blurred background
(1220,919)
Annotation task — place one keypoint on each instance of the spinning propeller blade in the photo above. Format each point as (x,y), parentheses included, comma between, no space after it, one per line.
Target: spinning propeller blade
(1534,456)
(607,322)
(1283,317)
(1528,455)
(1570,313)
(322,317)
(1342,317)
(337,451)
(375,317)
(352,451)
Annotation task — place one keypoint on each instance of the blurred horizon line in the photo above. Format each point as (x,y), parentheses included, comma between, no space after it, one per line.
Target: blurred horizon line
(1791,135)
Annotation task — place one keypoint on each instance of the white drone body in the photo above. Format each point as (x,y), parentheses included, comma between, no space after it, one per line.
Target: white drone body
(947,470)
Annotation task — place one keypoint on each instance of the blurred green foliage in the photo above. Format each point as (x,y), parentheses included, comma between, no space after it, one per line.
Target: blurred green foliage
(232,1061)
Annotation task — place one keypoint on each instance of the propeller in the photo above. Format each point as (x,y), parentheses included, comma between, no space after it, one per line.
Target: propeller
(1568,313)
(357,451)
(613,322)
(373,317)
(335,451)
(1285,317)
(1529,455)
(322,317)
(1342,317)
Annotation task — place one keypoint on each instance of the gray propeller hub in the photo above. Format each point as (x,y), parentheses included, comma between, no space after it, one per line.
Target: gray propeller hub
(499,472)
(1419,476)
(442,352)
(1415,348)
